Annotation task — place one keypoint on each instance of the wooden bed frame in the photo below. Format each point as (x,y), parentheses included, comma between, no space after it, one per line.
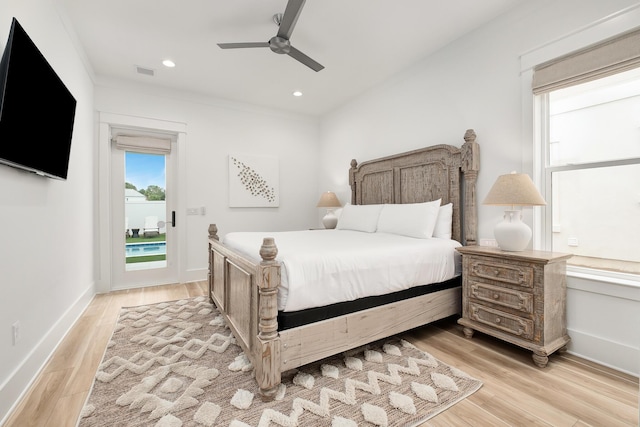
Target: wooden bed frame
(245,291)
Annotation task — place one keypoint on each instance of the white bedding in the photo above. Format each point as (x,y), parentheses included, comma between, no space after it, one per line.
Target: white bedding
(321,267)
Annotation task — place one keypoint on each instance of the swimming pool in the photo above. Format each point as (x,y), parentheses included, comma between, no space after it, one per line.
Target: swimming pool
(145,249)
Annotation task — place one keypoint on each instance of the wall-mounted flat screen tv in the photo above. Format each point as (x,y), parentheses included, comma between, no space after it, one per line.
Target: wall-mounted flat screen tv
(37,110)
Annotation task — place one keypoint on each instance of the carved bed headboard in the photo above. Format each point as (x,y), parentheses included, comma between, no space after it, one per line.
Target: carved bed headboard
(437,172)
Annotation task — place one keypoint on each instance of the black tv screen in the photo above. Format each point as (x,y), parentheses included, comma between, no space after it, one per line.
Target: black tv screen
(36,110)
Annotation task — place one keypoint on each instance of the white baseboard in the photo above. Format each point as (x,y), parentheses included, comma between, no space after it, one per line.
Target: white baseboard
(195,275)
(608,353)
(18,383)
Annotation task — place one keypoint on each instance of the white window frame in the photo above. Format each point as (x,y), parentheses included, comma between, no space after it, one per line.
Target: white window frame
(535,127)
(542,113)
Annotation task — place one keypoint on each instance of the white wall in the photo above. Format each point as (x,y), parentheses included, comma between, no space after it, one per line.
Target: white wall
(475,82)
(46,260)
(215,129)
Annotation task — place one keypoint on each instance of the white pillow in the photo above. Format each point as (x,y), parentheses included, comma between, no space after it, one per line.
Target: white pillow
(409,219)
(444,222)
(359,218)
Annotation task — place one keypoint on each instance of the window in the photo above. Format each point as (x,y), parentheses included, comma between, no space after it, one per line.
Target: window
(591,140)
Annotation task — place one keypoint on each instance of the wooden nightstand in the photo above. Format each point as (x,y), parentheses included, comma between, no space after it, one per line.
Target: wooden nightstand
(519,297)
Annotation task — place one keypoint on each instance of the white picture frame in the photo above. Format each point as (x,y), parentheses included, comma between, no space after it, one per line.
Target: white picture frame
(253,181)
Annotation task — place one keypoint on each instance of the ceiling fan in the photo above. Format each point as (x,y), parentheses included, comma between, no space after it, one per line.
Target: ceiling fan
(280,42)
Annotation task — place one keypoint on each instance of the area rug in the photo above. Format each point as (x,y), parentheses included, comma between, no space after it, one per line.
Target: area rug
(177,364)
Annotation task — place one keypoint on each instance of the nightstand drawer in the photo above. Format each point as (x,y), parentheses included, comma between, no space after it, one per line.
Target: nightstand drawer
(500,320)
(520,275)
(509,298)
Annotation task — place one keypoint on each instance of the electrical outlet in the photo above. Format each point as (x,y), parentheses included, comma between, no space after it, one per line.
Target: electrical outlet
(192,211)
(15,327)
(572,241)
(203,210)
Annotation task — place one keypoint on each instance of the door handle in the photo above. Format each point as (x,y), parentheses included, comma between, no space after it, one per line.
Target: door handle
(173,218)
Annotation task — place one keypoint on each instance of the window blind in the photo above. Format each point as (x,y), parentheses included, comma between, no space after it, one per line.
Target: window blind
(611,56)
(143,144)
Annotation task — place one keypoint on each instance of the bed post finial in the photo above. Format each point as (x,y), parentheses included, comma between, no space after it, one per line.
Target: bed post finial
(213,235)
(268,371)
(470,135)
(470,168)
(213,232)
(352,180)
(268,250)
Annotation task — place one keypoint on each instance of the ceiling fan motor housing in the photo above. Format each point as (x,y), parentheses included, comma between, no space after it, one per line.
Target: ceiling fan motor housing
(280,45)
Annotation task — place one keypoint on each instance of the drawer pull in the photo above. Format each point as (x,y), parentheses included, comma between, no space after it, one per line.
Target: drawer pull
(496,272)
(497,320)
(496,296)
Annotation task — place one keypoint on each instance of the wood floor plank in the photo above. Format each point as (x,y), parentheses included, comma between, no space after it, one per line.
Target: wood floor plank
(466,414)
(545,390)
(493,375)
(66,405)
(588,405)
(517,414)
(588,381)
(81,378)
(72,348)
(41,400)
(570,392)
(198,288)
(599,371)
(97,305)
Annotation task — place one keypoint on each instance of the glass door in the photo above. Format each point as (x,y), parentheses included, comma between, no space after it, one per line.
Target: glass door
(144,251)
(145,211)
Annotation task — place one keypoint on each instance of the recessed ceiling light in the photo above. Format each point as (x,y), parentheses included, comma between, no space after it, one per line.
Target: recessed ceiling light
(168,63)
(297,93)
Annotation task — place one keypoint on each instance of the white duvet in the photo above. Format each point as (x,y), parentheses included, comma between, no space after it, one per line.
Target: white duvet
(321,267)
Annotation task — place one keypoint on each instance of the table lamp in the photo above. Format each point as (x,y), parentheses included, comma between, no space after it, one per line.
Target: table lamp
(514,189)
(330,201)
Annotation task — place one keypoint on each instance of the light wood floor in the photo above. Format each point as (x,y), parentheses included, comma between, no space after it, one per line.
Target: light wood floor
(568,392)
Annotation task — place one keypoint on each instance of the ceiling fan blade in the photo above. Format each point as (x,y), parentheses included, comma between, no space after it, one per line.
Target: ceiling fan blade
(290,17)
(242,45)
(299,56)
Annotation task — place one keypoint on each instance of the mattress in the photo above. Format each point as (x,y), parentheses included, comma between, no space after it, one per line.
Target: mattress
(325,267)
(293,319)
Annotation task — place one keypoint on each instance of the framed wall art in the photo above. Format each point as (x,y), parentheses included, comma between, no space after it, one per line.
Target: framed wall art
(253,181)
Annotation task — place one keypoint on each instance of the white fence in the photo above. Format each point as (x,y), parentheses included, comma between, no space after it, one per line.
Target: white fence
(136,211)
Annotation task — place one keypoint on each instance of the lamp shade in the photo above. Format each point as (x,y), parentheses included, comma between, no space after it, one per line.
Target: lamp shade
(514,189)
(328,199)
(512,234)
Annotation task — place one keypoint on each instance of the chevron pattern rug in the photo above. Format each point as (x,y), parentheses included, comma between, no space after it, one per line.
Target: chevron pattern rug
(177,364)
